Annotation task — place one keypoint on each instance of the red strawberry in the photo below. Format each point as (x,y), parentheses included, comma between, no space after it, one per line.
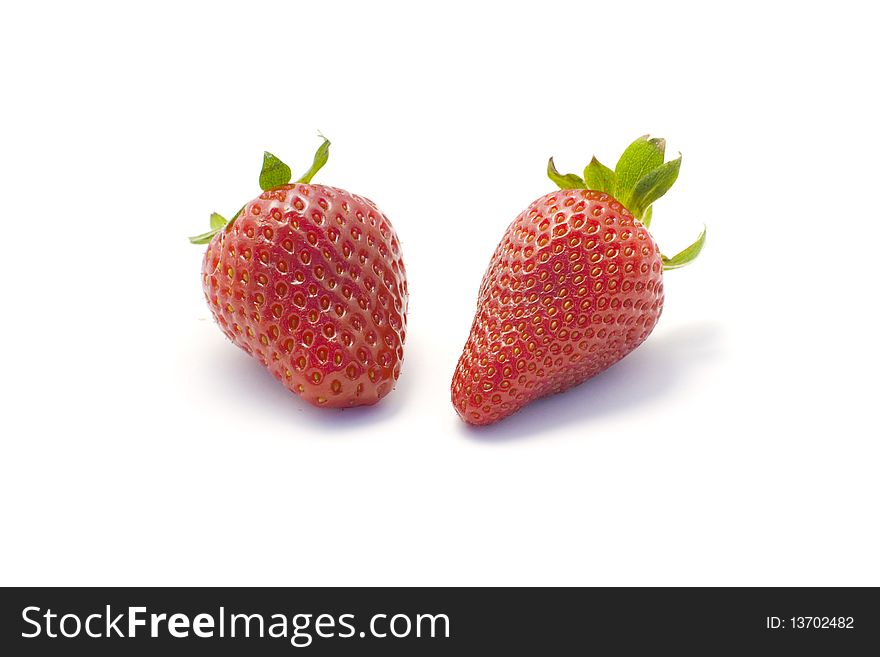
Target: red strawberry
(574,286)
(310,281)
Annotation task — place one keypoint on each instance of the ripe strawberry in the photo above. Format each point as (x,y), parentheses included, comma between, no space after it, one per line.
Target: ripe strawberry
(574,286)
(310,281)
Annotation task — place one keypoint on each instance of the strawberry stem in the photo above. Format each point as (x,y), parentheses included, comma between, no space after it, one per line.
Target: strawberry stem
(639,178)
(274,173)
(321,157)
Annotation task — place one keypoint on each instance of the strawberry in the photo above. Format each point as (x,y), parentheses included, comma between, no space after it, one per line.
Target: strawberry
(310,281)
(575,284)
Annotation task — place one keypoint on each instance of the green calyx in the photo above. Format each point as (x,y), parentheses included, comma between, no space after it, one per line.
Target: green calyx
(639,178)
(274,173)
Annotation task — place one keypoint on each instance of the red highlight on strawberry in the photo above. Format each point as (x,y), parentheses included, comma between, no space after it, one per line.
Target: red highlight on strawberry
(575,284)
(310,281)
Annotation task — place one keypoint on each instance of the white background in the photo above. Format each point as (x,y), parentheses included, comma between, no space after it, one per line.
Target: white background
(737,446)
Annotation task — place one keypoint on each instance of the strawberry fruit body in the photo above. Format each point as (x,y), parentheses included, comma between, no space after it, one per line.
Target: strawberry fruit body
(310,281)
(575,284)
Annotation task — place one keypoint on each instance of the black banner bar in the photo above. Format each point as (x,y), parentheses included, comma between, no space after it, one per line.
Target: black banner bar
(437,621)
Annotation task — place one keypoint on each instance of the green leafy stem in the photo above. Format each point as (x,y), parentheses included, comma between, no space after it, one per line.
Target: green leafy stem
(274,173)
(640,178)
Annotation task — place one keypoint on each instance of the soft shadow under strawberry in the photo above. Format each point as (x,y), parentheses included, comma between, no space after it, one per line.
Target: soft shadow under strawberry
(259,391)
(650,373)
